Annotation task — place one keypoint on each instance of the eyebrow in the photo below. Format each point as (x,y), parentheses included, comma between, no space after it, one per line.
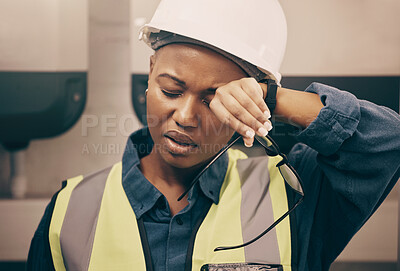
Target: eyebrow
(178,81)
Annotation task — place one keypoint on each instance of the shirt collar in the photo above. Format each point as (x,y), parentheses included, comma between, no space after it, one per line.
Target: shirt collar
(211,180)
(141,193)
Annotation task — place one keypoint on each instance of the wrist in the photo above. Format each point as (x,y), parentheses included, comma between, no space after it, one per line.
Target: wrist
(270,97)
(297,107)
(264,88)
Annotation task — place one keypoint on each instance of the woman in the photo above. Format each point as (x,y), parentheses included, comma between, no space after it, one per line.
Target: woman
(128,218)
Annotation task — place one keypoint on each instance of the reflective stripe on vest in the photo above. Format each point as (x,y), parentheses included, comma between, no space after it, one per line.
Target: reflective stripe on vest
(94,227)
(247,197)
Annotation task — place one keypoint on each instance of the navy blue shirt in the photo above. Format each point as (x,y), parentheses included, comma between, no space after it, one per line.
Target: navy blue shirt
(168,237)
(348,159)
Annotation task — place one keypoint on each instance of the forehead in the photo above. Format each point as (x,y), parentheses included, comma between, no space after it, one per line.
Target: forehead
(187,60)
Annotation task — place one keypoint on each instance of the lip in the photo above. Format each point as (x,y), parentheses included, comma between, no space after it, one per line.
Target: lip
(180,138)
(179,143)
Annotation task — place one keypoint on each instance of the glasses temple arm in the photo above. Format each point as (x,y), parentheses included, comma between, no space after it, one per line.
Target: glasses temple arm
(263,233)
(196,179)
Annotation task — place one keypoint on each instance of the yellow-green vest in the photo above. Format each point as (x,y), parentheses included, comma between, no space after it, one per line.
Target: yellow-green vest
(93,225)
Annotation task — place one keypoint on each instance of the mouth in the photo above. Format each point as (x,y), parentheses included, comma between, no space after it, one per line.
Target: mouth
(179,143)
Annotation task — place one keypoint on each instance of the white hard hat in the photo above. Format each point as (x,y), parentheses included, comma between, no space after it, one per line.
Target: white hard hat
(253,30)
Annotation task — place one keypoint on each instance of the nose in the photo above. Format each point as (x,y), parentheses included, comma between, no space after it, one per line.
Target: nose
(186,115)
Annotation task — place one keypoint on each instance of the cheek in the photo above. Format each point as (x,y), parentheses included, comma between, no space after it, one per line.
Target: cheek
(157,109)
(214,130)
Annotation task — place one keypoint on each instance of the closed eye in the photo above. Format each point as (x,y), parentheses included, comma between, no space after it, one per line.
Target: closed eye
(171,94)
(176,94)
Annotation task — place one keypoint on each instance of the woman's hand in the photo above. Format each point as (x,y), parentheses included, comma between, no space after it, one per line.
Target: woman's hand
(240,104)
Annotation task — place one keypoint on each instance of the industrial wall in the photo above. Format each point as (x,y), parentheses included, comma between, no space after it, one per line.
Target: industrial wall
(325,38)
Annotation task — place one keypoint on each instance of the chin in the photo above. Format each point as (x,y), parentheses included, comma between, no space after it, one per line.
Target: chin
(183,161)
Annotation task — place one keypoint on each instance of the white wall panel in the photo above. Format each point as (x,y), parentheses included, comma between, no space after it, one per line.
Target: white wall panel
(356,37)
(73,35)
(141,13)
(43,35)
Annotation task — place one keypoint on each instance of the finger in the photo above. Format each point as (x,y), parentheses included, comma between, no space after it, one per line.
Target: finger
(243,98)
(228,119)
(254,91)
(248,142)
(241,114)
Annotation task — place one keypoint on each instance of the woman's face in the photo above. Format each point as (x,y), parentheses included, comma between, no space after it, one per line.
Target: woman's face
(182,81)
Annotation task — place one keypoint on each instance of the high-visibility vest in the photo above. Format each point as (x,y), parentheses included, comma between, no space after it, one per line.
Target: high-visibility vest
(94,227)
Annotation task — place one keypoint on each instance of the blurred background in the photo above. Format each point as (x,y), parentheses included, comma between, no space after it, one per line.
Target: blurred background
(72,81)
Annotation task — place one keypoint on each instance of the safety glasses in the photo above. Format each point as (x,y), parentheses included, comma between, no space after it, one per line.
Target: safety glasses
(288,173)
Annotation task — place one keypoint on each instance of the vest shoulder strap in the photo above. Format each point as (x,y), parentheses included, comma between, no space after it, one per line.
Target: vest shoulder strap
(252,197)
(93,225)
(57,220)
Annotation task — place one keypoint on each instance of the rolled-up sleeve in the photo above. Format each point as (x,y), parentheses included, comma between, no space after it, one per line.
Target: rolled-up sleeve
(349,160)
(336,122)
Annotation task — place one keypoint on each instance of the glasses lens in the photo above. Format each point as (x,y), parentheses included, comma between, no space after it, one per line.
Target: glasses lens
(291,178)
(268,145)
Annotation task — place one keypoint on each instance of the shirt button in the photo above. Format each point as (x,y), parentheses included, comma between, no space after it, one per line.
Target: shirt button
(179,221)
